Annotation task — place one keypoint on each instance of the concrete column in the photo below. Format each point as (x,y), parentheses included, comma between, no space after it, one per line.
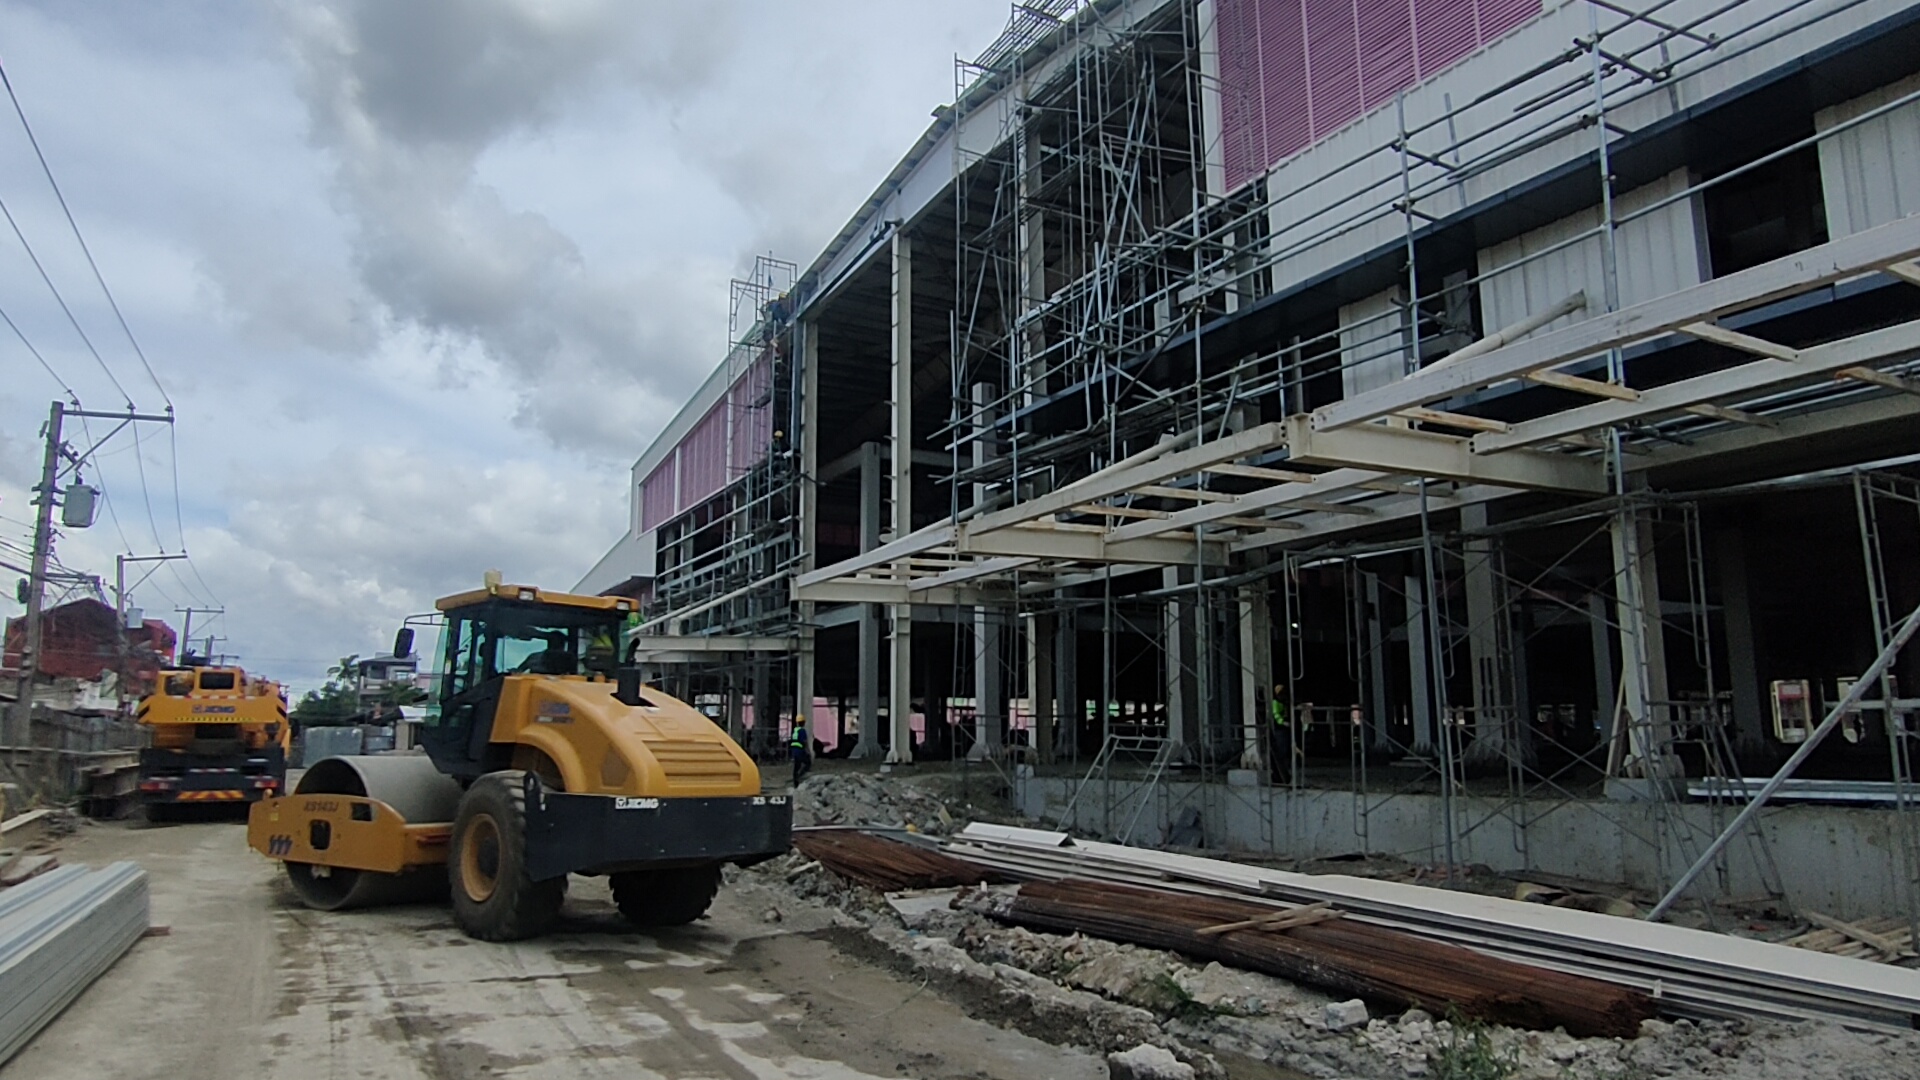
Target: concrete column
(736,726)
(869,693)
(989,698)
(1643,651)
(1751,716)
(1604,691)
(803,668)
(1183,713)
(1256,666)
(1379,707)
(1490,705)
(766,710)
(1040,646)
(1068,709)
(900,488)
(1419,668)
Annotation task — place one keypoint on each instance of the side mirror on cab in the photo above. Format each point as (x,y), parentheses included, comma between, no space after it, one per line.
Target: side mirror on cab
(403,642)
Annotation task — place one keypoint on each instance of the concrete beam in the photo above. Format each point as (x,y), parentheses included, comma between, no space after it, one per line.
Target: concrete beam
(1425,453)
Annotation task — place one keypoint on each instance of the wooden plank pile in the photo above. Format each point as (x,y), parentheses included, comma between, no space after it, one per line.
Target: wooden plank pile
(58,933)
(1882,941)
(1314,946)
(887,865)
(1687,972)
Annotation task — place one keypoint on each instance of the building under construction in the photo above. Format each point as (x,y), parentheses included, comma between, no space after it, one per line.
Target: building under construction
(1474,430)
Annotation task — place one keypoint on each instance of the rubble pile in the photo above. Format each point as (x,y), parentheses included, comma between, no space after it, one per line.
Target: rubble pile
(861,798)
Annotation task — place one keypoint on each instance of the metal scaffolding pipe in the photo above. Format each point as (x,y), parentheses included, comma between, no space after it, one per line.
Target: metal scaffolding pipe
(1767,790)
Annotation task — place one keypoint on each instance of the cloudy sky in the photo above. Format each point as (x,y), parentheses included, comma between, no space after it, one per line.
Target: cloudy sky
(421,279)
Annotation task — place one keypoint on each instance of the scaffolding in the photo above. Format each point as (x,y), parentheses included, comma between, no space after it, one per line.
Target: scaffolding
(1096,265)
(723,561)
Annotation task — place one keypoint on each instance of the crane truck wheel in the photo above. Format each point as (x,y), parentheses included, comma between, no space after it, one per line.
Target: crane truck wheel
(493,898)
(673,897)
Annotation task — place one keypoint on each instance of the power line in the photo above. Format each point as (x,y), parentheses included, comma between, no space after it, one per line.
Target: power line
(180,524)
(63,305)
(71,396)
(75,226)
(146,492)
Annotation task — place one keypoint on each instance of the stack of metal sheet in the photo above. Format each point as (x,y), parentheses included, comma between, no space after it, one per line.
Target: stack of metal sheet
(58,933)
(1690,972)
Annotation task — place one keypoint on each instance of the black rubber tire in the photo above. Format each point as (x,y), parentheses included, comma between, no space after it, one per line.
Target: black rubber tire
(490,840)
(159,813)
(673,897)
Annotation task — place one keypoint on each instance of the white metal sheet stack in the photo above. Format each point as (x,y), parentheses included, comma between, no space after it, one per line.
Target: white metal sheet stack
(1692,972)
(58,933)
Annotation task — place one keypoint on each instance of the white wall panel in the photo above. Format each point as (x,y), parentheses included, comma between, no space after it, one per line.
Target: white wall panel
(1870,173)
(1373,344)
(1658,253)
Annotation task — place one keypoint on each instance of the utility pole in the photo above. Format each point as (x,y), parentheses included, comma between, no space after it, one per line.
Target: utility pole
(186,630)
(120,612)
(48,493)
(22,727)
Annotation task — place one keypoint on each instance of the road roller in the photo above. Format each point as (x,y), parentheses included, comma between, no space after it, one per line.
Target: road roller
(543,757)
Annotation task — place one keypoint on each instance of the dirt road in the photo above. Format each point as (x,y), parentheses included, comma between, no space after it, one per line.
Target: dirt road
(247,983)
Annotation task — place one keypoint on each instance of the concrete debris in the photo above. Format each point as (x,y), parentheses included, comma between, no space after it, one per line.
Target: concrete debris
(1112,997)
(859,798)
(1346,1015)
(1147,1062)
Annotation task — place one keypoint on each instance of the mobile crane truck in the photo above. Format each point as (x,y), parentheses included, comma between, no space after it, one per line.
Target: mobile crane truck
(214,736)
(544,758)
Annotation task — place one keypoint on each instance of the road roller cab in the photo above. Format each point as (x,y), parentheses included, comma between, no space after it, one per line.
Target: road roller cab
(542,759)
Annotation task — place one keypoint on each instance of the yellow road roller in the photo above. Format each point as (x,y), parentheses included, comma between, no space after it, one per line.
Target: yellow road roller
(544,757)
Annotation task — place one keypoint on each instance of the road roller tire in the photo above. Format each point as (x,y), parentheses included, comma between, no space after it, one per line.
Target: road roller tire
(493,898)
(673,897)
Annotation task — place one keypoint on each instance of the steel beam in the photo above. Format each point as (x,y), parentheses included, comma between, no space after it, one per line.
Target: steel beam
(1860,253)
(653,646)
(1106,485)
(1745,380)
(1430,454)
(1075,545)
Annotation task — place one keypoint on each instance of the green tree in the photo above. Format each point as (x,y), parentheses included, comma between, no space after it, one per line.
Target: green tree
(336,701)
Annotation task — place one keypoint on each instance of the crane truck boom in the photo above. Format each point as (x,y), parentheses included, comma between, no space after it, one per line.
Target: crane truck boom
(543,759)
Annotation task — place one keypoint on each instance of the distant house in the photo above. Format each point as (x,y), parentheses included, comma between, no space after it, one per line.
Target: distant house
(81,641)
(377,676)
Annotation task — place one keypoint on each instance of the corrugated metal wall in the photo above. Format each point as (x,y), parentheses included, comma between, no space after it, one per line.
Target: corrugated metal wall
(1294,71)
(1658,253)
(731,438)
(1870,173)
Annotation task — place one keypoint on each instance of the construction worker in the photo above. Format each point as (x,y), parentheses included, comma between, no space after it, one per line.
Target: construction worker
(801,750)
(1280,741)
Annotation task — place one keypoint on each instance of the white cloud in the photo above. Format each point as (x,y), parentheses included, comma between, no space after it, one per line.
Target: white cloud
(422,278)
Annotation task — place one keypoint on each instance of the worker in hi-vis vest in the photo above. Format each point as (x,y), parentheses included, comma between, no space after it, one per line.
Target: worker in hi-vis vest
(1280,739)
(800,748)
